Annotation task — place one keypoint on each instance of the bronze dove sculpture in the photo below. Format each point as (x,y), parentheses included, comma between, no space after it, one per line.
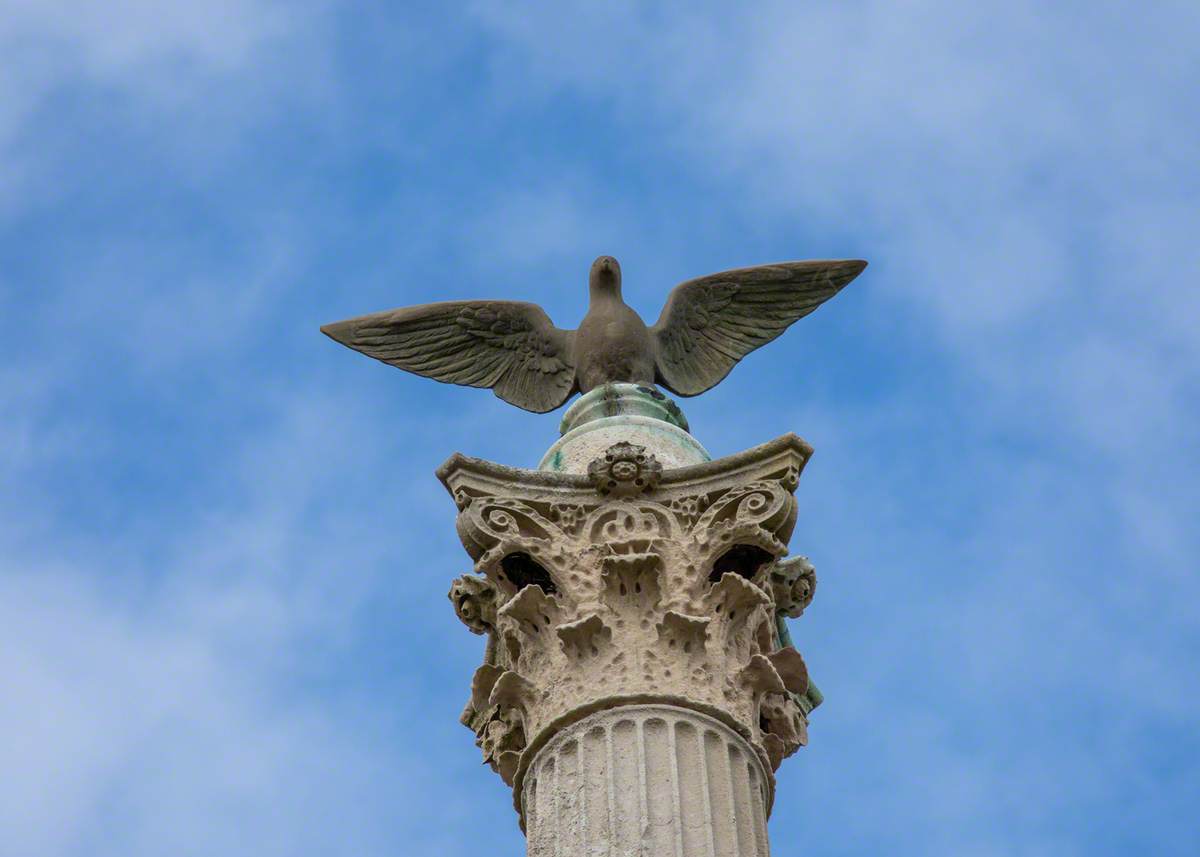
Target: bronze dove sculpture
(706,327)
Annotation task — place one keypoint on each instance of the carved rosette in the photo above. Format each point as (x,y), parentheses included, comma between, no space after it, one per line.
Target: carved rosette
(793,584)
(631,585)
(625,470)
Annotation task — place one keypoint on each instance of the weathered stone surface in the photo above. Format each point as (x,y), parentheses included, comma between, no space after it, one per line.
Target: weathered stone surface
(647,781)
(658,593)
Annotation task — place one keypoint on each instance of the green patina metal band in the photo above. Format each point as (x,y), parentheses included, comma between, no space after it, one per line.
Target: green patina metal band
(614,400)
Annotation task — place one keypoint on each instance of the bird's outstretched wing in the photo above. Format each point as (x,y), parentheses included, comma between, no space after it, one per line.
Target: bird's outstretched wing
(510,346)
(712,322)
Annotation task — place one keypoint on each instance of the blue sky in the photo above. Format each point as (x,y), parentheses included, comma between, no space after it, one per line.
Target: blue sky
(223,554)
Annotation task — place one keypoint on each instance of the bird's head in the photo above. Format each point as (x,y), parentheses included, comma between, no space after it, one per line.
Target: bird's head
(605,277)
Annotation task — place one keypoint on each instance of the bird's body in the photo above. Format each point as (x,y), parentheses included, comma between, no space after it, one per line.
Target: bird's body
(706,327)
(612,342)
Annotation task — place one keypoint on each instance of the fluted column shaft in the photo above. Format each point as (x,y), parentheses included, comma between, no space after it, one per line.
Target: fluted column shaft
(646,781)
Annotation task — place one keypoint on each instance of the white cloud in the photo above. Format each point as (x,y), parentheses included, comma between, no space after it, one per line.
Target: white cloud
(127,36)
(154,679)
(555,220)
(130,731)
(930,116)
(190,75)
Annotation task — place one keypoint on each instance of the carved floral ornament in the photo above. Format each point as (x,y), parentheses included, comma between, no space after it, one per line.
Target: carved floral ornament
(625,470)
(793,584)
(474,600)
(592,592)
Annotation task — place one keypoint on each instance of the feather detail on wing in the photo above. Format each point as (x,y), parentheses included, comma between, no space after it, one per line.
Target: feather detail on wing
(510,346)
(712,322)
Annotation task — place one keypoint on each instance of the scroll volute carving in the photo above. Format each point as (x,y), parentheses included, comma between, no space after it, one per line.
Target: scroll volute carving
(488,522)
(761,507)
(745,531)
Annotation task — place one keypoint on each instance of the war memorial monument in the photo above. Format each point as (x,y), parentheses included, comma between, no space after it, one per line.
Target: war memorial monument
(639,687)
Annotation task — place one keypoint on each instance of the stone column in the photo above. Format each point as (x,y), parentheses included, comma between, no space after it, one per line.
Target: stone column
(635,691)
(647,779)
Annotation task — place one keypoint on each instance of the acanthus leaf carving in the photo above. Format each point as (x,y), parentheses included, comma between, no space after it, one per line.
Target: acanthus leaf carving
(631,581)
(760,675)
(532,611)
(512,690)
(791,668)
(584,637)
(735,596)
(687,633)
(776,749)
(783,726)
(506,765)
(502,741)
(622,594)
